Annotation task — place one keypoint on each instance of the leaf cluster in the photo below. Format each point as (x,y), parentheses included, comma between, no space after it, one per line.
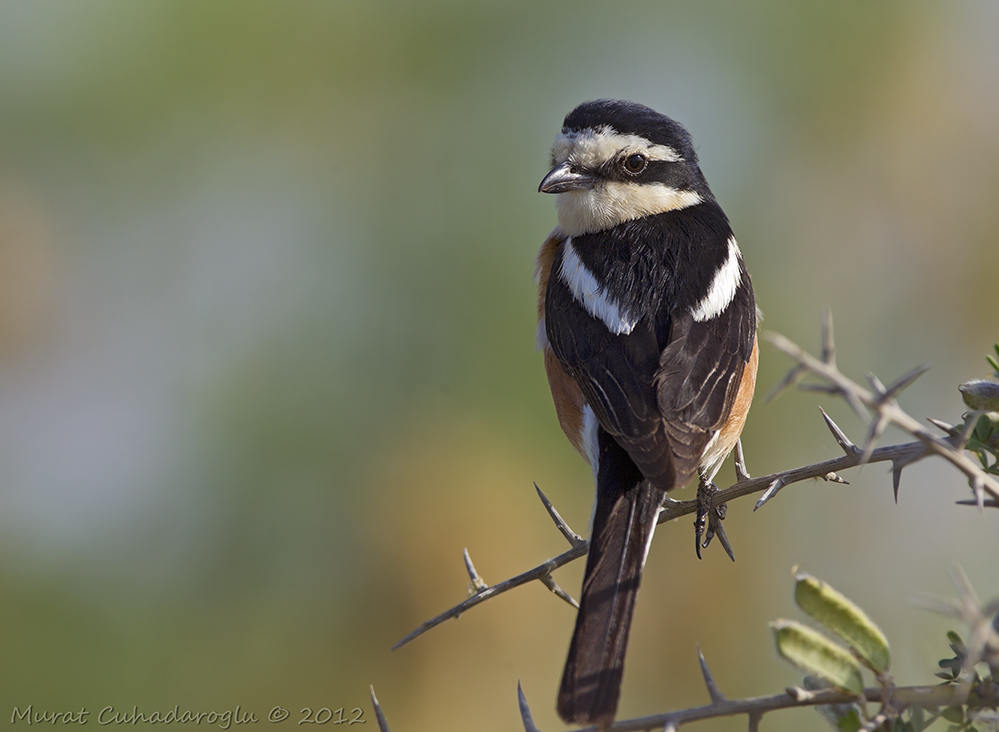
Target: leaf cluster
(831,665)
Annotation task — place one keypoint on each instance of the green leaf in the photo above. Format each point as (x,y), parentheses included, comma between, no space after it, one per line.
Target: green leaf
(901,726)
(850,722)
(813,652)
(993,362)
(841,717)
(845,619)
(953,714)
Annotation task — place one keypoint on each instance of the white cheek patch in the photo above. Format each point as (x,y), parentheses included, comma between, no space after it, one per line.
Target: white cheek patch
(723,287)
(613,202)
(588,292)
(593,147)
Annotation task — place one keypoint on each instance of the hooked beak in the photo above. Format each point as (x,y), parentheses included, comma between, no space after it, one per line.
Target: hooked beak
(566,177)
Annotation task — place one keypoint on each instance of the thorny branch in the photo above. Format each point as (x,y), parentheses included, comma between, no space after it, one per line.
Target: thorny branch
(983,647)
(886,409)
(901,698)
(881,402)
(983,695)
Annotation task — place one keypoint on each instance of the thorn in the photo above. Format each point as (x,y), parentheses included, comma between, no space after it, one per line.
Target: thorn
(478,585)
(709,681)
(978,486)
(723,539)
(896,476)
(848,447)
(965,592)
(950,429)
(670,726)
(903,381)
(967,429)
(854,401)
(828,344)
(834,478)
(525,711)
(821,388)
(571,536)
(549,582)
(878,387)
(877,428)
(790,379)
(741,472)
(897,464)
(770,492)
(990,503)
(379,715)
(754,721)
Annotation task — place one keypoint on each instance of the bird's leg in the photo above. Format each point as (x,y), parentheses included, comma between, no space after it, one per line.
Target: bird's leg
(709,518)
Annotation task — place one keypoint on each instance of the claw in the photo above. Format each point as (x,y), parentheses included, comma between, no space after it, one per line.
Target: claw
(708,521)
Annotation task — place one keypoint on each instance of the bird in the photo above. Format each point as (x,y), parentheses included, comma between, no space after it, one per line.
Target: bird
(647,322)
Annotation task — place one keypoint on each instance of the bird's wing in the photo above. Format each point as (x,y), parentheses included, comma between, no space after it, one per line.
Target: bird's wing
(662,400)
(616,375)
(699,374)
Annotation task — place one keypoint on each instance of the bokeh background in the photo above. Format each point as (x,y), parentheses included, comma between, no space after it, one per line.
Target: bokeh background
(267,340)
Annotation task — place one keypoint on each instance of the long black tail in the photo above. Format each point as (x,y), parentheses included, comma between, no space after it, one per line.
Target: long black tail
(624,520)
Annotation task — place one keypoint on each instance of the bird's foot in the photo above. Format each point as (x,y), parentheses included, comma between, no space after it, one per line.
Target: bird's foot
(708,523)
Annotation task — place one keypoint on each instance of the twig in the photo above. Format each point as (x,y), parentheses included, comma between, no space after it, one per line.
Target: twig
(521,579)
(905,696)
(670,511)
(881,402)
(887,410)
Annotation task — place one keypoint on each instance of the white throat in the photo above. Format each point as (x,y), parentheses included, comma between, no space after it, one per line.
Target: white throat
(613,202)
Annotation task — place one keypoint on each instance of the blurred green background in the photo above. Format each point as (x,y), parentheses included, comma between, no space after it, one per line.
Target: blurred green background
(267,340)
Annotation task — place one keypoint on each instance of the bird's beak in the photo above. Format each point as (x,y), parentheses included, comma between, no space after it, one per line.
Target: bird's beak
(566,177)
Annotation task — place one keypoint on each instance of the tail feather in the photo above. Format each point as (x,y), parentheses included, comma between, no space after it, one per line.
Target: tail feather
(623,524)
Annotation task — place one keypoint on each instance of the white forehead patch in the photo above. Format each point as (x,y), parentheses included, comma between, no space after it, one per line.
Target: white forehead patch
(724,285)
(592,147)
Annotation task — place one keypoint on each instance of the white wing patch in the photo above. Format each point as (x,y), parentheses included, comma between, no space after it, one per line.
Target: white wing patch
(589,293)
(723,287)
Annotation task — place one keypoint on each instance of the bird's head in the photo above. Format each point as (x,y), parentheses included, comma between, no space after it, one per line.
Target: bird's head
(616,161)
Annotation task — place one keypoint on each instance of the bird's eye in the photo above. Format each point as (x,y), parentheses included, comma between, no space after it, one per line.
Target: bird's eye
(635,164)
